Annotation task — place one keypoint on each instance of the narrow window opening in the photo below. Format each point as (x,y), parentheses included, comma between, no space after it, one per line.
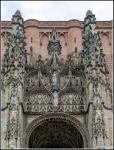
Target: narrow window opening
(75,40)
(31,39)
(31,48)
(76,52)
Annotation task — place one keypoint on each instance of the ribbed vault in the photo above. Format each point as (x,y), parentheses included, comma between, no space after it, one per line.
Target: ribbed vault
(56,133)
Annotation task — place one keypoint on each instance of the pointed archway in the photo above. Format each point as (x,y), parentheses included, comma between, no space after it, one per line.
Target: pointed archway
(56,131)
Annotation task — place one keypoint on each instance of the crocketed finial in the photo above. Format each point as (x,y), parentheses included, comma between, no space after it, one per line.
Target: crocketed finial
(54,43)
(89,13)
(54,35)
(17,13)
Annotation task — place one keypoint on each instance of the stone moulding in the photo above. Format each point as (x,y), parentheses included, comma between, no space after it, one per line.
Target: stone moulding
(61,116)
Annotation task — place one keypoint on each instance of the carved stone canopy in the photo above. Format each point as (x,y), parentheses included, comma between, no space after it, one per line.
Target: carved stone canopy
(54,43)
(54,78)
(49,83)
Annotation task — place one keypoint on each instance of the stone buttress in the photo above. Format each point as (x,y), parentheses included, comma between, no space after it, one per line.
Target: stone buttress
(97,83)
(12,85)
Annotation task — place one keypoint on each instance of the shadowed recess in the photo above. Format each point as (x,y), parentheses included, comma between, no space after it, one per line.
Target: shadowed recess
(55,133)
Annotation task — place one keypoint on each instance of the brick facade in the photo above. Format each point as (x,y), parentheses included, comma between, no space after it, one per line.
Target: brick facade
(71,31)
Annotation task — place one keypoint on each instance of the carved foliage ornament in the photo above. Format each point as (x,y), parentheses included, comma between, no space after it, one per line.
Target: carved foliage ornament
(98,120)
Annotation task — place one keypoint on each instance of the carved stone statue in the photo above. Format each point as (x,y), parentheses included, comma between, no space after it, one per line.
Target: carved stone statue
(55,78)
(55,99)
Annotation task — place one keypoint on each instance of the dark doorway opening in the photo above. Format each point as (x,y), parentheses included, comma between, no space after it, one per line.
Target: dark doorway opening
(56,133)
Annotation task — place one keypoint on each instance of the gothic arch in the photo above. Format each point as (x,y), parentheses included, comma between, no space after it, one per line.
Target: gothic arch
(5,35)
(42,35)
(61,116)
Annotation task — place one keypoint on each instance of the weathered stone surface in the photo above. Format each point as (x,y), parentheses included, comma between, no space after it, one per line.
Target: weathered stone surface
(72,90)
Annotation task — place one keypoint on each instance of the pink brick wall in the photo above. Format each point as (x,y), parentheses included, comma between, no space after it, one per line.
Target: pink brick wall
(71,37)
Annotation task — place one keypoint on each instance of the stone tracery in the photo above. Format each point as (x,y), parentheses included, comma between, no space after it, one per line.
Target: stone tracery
(55,85)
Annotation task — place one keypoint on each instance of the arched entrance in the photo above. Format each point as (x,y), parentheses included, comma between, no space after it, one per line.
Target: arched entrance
(55,131)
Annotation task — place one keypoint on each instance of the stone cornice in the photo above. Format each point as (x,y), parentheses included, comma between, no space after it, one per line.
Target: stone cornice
(57,24)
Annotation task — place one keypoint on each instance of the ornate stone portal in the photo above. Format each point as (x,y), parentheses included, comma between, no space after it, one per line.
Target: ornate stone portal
(55,130)
(57,94)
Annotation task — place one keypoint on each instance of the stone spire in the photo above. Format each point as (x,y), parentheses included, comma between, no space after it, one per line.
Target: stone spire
(13,79)
(17,13)
(93,53)
(15,52)
(93,58)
